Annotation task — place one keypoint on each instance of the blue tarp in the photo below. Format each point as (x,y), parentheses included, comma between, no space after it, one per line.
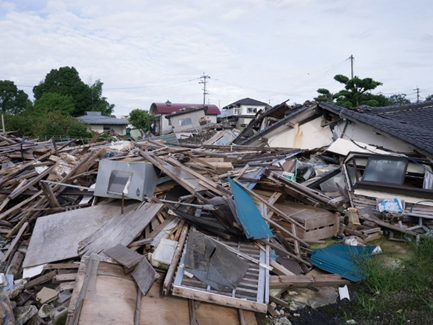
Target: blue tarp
(252,221)
(341,259)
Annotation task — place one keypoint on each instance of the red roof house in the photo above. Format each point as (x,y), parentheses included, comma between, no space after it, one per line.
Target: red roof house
(161,124)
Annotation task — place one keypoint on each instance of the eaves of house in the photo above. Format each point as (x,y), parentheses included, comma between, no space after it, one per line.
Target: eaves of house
(411,124)
(287,121)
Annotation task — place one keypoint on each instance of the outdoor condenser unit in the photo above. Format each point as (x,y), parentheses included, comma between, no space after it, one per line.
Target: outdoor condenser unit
(135,180)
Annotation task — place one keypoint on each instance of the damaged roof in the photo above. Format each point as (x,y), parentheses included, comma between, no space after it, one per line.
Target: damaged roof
(167,108)
(97,118)
(409,123)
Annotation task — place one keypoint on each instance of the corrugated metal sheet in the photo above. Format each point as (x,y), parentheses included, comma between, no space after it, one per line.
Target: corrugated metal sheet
(341,260)
(252,221)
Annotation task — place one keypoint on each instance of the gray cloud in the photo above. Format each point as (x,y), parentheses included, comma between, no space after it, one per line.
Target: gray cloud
(145,51)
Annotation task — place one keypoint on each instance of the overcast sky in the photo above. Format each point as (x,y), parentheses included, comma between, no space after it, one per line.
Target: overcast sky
(269,50)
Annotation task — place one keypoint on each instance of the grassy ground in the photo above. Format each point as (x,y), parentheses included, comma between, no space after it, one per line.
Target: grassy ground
(401,291)
(397,289)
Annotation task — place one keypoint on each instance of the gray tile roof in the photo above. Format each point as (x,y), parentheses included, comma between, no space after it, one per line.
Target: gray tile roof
(411,123)
(246,101)
(97,118)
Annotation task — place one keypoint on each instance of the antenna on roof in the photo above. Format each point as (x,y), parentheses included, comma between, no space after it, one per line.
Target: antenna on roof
(204,81)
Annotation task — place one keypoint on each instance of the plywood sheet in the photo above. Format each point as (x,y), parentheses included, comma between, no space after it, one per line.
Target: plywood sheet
(56,237)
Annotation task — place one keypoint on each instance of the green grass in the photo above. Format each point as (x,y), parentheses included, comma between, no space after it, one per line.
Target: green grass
(397,289)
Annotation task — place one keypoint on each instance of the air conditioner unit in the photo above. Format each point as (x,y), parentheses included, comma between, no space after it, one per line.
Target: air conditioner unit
(133,180)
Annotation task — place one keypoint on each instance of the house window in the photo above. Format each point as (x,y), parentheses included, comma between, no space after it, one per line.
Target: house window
(381,170)
(252,110)
(237,111)
(186,121)
(118,182)
(390,173)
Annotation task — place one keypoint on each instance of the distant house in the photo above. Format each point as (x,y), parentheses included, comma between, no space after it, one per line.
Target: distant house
(100,123)
(187,118)
(242,111)
(161,124)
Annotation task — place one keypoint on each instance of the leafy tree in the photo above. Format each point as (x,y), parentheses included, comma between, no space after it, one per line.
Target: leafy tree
(355,91)
(398,99)
(66,81)
(12,99)
(99,103)
(33,124)
(50,102)
(141,119)
(428,98)
(325,94)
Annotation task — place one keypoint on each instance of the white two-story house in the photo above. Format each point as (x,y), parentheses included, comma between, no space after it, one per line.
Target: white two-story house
(241,112)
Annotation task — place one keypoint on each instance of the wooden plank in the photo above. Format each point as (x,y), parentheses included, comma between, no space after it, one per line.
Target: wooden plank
(141,242)
(65,277)
(305,281)
(91,274)
(61,266)
(169,310)
(177,255)
(40,279)
(192,316)
(144,275)
(15,264)
(279,301)
(279,269)
(124,255)
(66,286)
(219,299)
(137,308)
(20,205)
(122,229)
(15,241)
(50,195)
(35,180)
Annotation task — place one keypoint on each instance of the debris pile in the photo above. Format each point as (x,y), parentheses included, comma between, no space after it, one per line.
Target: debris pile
(99,233)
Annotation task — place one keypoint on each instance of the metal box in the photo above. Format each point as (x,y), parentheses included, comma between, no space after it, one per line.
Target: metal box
(135,180)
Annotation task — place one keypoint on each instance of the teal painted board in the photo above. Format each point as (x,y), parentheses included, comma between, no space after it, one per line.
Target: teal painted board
(252,221)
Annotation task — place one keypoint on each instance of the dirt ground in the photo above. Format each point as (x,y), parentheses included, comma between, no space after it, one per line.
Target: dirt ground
(343,311)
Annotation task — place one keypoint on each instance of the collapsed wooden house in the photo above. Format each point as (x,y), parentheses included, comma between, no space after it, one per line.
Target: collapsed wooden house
(153,232)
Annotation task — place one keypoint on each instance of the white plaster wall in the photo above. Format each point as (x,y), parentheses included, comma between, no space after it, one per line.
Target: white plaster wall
(165,127)
(366,134)
(97,128)
(121,129)
(194,116)
(211,118)
(307,136)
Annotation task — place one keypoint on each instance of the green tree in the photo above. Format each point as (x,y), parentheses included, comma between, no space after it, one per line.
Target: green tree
(325,94)
(44,126)
(141,119)
(50,102)
(398,99)
(99,102)
(356,91)
(66,81)
(428,98)
(12,100)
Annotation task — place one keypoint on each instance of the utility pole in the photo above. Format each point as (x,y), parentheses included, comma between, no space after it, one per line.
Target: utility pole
(351,64)
(417,94)
(204,81)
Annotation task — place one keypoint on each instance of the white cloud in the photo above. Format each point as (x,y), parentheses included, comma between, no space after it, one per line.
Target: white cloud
(145,51)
